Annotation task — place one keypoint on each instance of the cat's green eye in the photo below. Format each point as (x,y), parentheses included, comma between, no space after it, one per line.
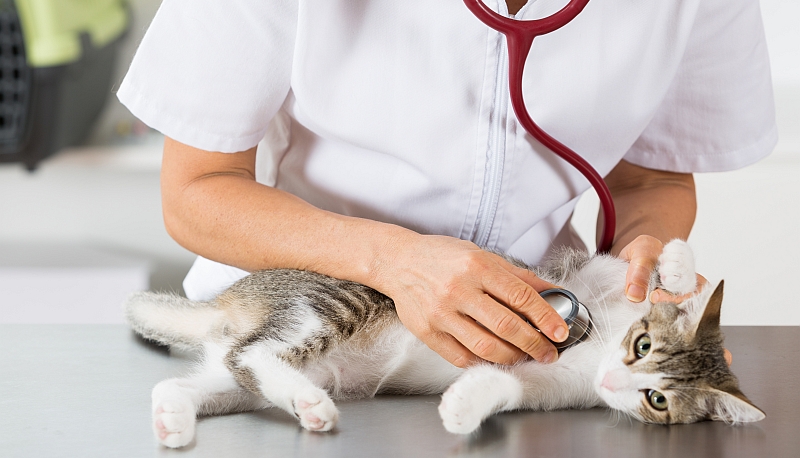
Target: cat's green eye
(657,400)
(642,345)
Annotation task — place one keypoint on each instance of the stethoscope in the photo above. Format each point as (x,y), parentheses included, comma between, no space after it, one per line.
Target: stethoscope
(575,314)
(519,36)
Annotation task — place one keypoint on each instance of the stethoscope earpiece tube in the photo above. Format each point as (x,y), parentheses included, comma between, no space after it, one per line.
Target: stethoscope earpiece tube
(520,35)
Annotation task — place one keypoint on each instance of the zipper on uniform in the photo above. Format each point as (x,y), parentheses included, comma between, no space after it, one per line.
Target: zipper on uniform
(496,147)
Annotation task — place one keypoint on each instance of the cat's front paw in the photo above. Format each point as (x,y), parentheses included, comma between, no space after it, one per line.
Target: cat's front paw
(173,422)
(480,392)
(676,268)
(315,410)
(459,414)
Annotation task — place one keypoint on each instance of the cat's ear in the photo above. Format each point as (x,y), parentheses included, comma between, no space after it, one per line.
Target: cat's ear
(732,407)
(711,313)
(701,312)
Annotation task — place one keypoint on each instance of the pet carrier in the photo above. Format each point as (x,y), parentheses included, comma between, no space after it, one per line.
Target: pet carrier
(56,66)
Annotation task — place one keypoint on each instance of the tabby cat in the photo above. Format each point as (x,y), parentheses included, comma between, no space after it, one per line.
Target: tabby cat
(296,340)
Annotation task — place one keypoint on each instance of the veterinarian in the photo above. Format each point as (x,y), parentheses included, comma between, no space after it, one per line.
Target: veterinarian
(373,141)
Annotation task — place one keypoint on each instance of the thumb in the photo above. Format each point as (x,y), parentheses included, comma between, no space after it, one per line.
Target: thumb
(637,279)
(642,253)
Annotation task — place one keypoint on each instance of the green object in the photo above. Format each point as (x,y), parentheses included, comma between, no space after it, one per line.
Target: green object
(53,28)
(57,61)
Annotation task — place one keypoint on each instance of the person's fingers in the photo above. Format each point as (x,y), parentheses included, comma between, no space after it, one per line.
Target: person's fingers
(660,295)
(450,349)
(512,328)
(472,301)
(642,254)
(479,340)
(728,357)
(538,283)
(636,285)
(522,298)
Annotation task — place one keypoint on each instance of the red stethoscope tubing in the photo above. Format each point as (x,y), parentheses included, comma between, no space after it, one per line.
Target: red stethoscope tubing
(519,36)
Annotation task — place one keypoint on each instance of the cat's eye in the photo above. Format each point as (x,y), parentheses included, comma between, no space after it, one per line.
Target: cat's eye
(642,345)
(657,400)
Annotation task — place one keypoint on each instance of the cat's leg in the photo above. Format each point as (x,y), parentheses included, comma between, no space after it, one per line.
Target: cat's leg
(676,269)
(260,368)
(486,390)
(480,392)
(177,402)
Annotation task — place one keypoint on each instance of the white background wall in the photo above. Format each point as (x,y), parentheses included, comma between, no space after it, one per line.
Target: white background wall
(748,220)
(747,228)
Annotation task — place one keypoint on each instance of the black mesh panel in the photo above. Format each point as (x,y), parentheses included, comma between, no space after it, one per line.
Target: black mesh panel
(14,79)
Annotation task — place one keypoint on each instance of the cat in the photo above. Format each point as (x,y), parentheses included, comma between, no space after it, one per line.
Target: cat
(296,340)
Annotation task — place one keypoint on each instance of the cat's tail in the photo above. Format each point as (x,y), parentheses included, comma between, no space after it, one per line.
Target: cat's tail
(170,319)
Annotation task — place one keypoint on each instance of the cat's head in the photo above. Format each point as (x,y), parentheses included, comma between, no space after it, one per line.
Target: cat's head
(671,367)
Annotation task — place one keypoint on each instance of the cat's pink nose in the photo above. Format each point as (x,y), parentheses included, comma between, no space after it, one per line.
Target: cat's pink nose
(616,379)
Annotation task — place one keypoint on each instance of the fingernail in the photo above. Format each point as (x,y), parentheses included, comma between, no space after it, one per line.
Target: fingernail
(635,293)
(561,334)
(550,357)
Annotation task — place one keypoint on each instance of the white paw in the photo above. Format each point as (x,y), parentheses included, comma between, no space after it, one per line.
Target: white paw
(459,413)
(676,268)
(315,410)
(173,422)
(480,392)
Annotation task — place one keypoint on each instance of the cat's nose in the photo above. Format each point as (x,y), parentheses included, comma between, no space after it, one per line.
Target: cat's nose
(616,379)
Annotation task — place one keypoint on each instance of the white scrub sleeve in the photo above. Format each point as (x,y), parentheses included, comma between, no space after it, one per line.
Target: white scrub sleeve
(719,112)
(211,73)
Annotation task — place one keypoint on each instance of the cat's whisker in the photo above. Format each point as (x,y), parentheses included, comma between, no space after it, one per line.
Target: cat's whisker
(603,335)
(602,307)
(611,413)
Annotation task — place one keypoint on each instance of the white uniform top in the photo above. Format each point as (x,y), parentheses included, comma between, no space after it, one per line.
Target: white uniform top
(398,111)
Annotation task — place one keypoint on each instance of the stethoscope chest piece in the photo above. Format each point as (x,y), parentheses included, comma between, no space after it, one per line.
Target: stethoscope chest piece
(575,314)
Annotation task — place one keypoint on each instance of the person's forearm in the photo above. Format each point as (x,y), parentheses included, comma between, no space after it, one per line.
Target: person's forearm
(660,204)
(465,303)
(230,218)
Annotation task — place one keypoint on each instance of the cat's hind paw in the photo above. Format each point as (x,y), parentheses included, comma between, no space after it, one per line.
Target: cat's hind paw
(315,410)
(676,268)
(174,423)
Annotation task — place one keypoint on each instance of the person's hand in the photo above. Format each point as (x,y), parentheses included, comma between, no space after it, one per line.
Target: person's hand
(463,302)
(642,254)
